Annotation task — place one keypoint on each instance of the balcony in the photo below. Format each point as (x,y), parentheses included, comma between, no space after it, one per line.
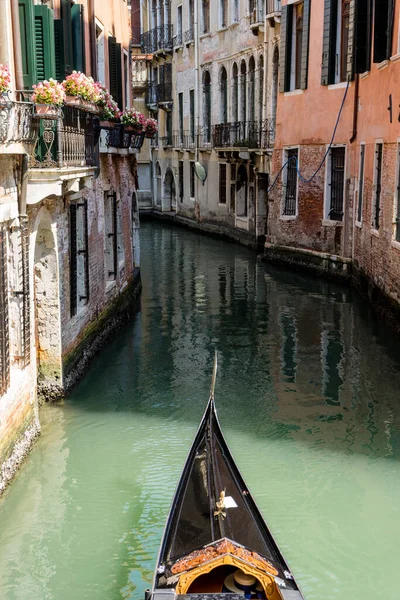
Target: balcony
(245,135)
(120,137)
(184,140)
(164,92)
(256,17)
(156,40)
(17,126)
(177,41)
(140,72)
(273,9)
(188,37)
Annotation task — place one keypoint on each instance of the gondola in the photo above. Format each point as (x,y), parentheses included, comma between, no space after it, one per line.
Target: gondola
(216,545)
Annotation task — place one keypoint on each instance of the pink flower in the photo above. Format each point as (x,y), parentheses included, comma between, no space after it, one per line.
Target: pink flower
(49,92)
(5,78)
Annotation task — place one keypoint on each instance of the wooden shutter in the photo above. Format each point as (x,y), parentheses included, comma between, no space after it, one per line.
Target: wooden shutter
(283,54)
(118,53)
(59,53)
(382,28)
(305,44)
(362,35)
(350,46)
(329,28)
(44,42)
(78,37)
(112,67)
(26,23)
(390,22)
(67,22)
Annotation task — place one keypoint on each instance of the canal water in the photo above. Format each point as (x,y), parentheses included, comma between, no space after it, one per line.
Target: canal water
(308,397)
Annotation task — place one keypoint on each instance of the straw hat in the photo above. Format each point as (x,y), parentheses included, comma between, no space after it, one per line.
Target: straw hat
(243,579)
(230,585)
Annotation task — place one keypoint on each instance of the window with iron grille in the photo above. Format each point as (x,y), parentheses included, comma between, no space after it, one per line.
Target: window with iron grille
(397,207)
(4,326)
(110,231)
(361,183)
(222,184)
(376,211)
(181,181)
(335,188)
(25,312)
(290,187)
(192,180)
(79,256)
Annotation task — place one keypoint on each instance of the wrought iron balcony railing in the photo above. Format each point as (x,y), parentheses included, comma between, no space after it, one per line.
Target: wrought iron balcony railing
(119,137)
(188,37)
(247,134)
(157,39)
(166,141)
(184,140)
(177,40)
(17,123)
(151,94)
(164,92)
(67,140)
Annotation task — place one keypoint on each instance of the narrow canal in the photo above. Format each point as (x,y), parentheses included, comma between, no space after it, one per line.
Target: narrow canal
(308,397)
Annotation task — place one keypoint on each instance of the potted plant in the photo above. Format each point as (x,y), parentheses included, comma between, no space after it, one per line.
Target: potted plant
(48,97)
(5,82)
(82,91)
(133,121)
(150,128)
(108,108)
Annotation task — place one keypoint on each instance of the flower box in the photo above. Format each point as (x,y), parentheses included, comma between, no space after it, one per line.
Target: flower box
(73,101)
(47,111)
(133,129)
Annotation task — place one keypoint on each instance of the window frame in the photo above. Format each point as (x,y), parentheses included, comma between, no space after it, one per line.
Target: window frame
(376,220)
(361,184)
(328,186)
(222,184)
(285,157)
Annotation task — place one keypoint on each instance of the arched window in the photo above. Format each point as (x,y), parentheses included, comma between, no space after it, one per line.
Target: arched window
(260,87)
(222,14)
(243,86)
(223,83)
(207,106)
(275,75)
(235,93)
(252,88)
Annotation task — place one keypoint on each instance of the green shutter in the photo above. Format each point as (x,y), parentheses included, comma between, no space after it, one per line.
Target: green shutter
(44,42)
(78,37)
(118,52)
(67,21)
(26,23)
(350,47)
(112,67)
(329,43)
(362,36)
(283,49)
(305,44)
(59,49)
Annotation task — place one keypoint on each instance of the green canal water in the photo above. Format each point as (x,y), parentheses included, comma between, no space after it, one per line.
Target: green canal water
(308,397)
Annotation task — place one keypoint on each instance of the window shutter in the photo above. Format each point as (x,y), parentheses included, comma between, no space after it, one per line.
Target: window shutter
(326,43)
(59,49)
(390,22)
(381,30)
(118,53)
(350,46)
(26,23)
(283,49)
(305,45)
(78,38)
(67,20)
(112,68)
(44,42)
(362,35)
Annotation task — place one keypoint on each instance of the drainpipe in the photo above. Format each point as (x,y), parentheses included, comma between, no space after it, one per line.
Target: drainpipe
(19,74)
(196,80)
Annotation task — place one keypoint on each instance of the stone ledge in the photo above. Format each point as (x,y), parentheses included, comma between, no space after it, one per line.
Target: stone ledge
(20,452)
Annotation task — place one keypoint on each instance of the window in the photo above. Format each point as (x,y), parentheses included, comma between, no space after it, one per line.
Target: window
(235,93)
(243,90)
(335,184)
(233,188)
(110,232)
(336,42)
(383,29)
(224,95)
(179,27)
(294,46)
(192,180)
(290,185)
(207,106)
(260,87)
(180,116)
(206,16)
(222,14)
(376,212)
(79,257)
(126,80)
(168,128)
(222,184)
(361,183)
(192,116)
(4,325)
(181,181)
(190,22)
(115,70)
(235,11)
(362,36)
(252,88)
(101,72)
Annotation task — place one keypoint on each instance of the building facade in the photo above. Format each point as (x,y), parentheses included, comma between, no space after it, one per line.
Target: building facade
(212,76)
(69,245)
(335,202)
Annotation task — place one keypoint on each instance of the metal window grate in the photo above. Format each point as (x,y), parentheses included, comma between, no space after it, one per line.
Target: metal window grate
(181,181)
(222,184)
(289,208)
(192,180)
(361,184)
(4,332)
(378,186)
(337,184)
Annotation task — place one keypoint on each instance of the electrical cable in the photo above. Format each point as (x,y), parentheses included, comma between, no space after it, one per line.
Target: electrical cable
(300,176)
